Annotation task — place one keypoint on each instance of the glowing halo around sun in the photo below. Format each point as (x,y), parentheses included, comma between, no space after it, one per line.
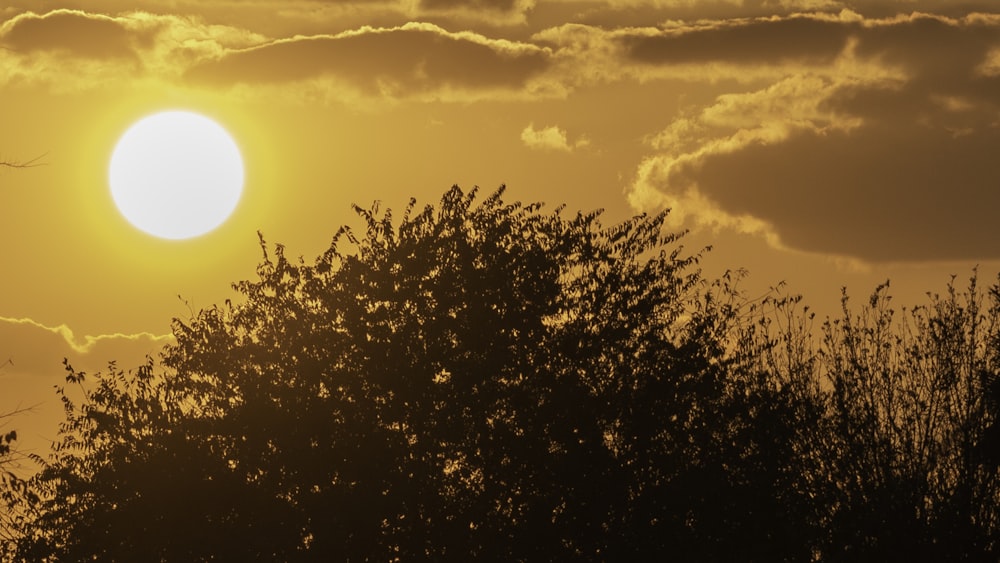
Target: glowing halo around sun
(176,175)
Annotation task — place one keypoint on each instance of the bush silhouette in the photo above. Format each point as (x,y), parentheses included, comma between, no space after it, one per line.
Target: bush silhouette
(489,381)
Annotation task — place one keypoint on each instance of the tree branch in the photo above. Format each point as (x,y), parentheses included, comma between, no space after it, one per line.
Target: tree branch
(24,164)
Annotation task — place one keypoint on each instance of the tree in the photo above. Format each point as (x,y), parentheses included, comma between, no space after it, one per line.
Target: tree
(908,412)
(482,382)
(488,381)
(129,481)
(11,485)
(10,482)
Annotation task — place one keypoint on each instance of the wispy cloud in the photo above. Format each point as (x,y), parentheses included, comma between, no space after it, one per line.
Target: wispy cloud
(86,343)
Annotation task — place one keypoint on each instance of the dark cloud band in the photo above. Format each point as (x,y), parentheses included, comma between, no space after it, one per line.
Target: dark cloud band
(70,32)
(410,59)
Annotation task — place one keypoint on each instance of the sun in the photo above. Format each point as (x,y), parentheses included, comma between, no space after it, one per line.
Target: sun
(176,175)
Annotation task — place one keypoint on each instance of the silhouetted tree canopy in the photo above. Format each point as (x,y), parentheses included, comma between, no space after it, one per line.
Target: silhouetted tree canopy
(489,381)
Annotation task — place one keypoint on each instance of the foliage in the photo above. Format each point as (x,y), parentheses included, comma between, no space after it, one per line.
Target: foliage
(12,470)
(9,482)
(488,381)
(909,412)
(477,381)
(891,423)
(129,478)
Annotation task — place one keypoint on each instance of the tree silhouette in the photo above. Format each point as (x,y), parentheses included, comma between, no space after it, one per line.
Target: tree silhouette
(457,386)
(481,381)
(910,411)
(12,487)
(11,484)
(488,381)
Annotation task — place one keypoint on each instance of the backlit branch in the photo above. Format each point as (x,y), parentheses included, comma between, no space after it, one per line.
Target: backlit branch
(37,161)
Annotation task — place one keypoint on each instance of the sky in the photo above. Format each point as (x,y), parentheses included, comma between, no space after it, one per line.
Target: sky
(820,143)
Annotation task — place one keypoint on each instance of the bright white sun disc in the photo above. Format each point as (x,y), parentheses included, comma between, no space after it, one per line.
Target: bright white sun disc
(176,175)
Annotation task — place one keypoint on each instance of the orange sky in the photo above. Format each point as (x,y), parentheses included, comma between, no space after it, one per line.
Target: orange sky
(819,142)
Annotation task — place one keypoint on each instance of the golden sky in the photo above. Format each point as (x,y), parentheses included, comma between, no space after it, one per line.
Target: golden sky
(820,142)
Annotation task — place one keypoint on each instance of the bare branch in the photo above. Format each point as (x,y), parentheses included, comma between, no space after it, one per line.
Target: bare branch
(37,161)
(16,411)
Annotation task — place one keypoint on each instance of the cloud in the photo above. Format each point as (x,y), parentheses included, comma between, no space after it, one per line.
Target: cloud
(72,48)
(70,32)
(498,5)
(743,51)
(874,151)
(87,343)
(815,40)
(491,13)
(551,138)
(497,12)
(412,61)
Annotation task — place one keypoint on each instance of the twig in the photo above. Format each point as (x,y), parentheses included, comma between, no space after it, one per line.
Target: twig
(26,164)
